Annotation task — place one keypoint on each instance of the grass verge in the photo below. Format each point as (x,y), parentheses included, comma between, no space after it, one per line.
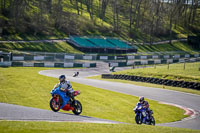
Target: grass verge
(66,127)
(187,90)
(176,46)
(174,72)
(24,86)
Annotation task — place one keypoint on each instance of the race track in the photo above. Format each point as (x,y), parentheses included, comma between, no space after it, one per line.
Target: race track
(192,101)
(22,113)
(187,100)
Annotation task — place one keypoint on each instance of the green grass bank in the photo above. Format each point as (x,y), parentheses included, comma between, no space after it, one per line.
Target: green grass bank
(24,86)
(172,71)
(66,127)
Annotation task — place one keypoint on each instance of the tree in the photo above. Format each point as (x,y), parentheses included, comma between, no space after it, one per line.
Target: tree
(103,9)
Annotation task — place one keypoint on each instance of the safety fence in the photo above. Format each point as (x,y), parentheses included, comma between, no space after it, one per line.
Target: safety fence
(46,64)
(116,63)
(167,82)
(64,57)
(151,62)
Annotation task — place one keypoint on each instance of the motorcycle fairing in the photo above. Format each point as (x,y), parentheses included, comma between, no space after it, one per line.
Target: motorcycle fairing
(62,95)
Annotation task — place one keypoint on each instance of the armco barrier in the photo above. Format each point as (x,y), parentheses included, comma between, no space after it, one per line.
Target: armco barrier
(46,64)
(183,84)
(93,65)
(59,65)
(38,64)
(5,64)
(29,57)
(17,64)
(61,56)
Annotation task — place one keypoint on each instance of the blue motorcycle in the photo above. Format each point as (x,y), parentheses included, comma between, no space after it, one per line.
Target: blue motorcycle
(142,116)
(60,100)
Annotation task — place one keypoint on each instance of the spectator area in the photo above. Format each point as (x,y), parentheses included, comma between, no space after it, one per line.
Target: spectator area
(82,42)
(101,43)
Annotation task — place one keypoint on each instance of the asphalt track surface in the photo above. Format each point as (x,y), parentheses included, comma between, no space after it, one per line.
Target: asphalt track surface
(22,113)
(192,101)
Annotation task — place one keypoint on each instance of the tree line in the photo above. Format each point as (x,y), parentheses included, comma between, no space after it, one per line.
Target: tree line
(154,18)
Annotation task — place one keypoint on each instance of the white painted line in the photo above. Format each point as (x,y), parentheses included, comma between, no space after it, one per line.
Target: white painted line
(38,57)
(5,63)
(155,56)
(18,58)
(86,65)
(131,57)
(166,56)
(28,64)
(68,64)
(103,57)
(87,57)
(70,57)
(143,57)
(48,64)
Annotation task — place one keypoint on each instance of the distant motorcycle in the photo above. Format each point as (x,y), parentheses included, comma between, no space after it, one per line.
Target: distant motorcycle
(60,100)
(76,74)
(139,115)
(112,69)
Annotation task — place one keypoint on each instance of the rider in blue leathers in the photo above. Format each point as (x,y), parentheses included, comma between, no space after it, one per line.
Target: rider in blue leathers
(145,105)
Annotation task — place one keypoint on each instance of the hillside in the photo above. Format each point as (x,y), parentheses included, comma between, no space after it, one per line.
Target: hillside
(59,47)
(139,21)
(64,47)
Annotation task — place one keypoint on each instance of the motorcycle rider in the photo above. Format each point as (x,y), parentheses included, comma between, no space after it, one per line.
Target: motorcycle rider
(145,105)
(65,86)
(76,74)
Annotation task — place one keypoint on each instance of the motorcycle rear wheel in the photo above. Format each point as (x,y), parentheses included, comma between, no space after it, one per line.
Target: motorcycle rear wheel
(53,106)
(77,107)
(152,121)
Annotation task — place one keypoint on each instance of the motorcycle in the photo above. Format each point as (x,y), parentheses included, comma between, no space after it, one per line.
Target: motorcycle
(76,74)
(60,100)
(112,69)
(141,113)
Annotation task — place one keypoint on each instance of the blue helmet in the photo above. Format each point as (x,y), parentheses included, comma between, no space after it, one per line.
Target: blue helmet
(62,77)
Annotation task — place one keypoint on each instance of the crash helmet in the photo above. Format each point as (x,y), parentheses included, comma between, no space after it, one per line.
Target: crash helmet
(62,77)
(141,99)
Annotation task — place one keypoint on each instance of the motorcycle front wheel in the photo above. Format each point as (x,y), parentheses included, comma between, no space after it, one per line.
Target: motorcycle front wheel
(77,107)
(54,106)
(138,120)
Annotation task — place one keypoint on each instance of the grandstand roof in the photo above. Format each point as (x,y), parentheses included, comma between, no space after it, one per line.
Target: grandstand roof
(97,42)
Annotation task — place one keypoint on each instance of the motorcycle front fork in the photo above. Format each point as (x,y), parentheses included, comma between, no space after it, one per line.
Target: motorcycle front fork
(146,119)
(71,100)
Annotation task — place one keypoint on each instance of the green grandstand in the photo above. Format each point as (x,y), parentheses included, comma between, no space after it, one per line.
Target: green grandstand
(98,44)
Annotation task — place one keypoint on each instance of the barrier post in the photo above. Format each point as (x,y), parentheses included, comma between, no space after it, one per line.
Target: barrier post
(133,65)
